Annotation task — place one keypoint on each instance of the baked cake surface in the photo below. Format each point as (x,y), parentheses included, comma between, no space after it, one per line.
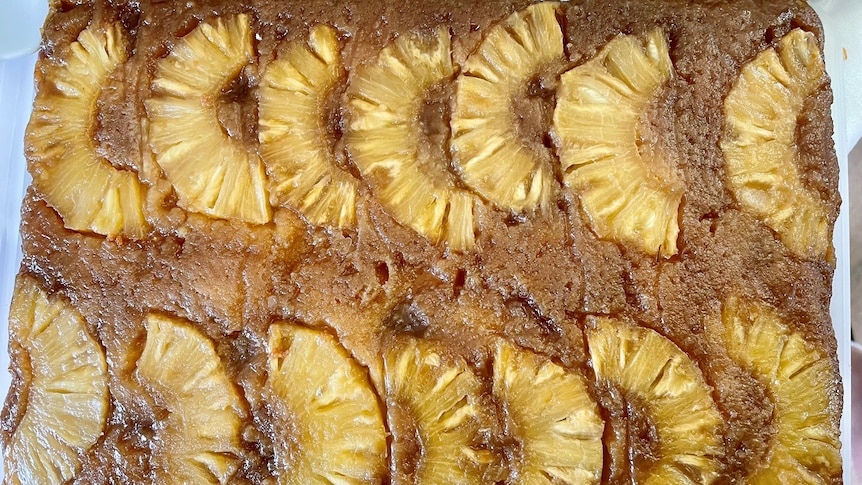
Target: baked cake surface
(443,242)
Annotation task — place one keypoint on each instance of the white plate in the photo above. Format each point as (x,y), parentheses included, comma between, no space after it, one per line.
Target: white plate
(16,98)
(841,19)
(20,21)
(856,400)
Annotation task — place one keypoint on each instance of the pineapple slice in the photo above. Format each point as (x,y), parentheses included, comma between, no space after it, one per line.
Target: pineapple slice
(553,415)
(386,97)
(759,143)
(293,119)
(441,398)
(508,169)
(597,120)
(87,191)
(211,174)
(645,365)
(328,403)
(199,440)
(805,448)
(67,398)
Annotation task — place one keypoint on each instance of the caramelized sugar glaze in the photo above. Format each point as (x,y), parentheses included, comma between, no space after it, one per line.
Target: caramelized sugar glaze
(533,275)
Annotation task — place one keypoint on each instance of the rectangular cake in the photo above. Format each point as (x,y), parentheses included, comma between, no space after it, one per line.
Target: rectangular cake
(439,242)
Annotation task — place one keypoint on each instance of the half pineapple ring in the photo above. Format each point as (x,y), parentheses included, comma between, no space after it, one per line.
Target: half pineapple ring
(799,378)
(302,168)
(759,143)
(553,416)
(327,401)
(434,416)
(87,191)
(199,440)
(386,98)
(210,172)
(67,398)
(645,365)
(597,119)
(503,166)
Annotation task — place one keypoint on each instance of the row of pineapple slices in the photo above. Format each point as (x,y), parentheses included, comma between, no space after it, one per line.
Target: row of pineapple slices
(330,422)
(629,196)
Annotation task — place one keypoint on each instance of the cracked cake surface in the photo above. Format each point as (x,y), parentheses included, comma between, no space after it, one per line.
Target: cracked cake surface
(441,242)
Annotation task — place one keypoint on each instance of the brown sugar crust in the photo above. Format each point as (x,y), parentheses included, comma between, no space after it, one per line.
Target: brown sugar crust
(533,278)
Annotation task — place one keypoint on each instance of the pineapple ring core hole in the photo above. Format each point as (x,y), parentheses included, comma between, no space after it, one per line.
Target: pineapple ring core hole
(807,162)
(332,119)
(434,130)
(408,454)
(635,432)
(533,109)
(642,438)
(106,115)
(236,110)
(656,140)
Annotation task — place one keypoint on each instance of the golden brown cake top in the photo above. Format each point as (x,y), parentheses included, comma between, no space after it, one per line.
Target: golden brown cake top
(439,242)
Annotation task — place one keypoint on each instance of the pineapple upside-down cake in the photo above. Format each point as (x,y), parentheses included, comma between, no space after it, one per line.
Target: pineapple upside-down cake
(434,242)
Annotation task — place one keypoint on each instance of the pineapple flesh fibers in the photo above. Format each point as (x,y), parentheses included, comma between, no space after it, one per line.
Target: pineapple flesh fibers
(759,144)
(553,416)
(502,166)
(293,118)
(326,400)
(386,98)
(441,397)
(198,442)
(597,120)
(805,448)
(643,364)
(67,397)
(87,191)
(211,173)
